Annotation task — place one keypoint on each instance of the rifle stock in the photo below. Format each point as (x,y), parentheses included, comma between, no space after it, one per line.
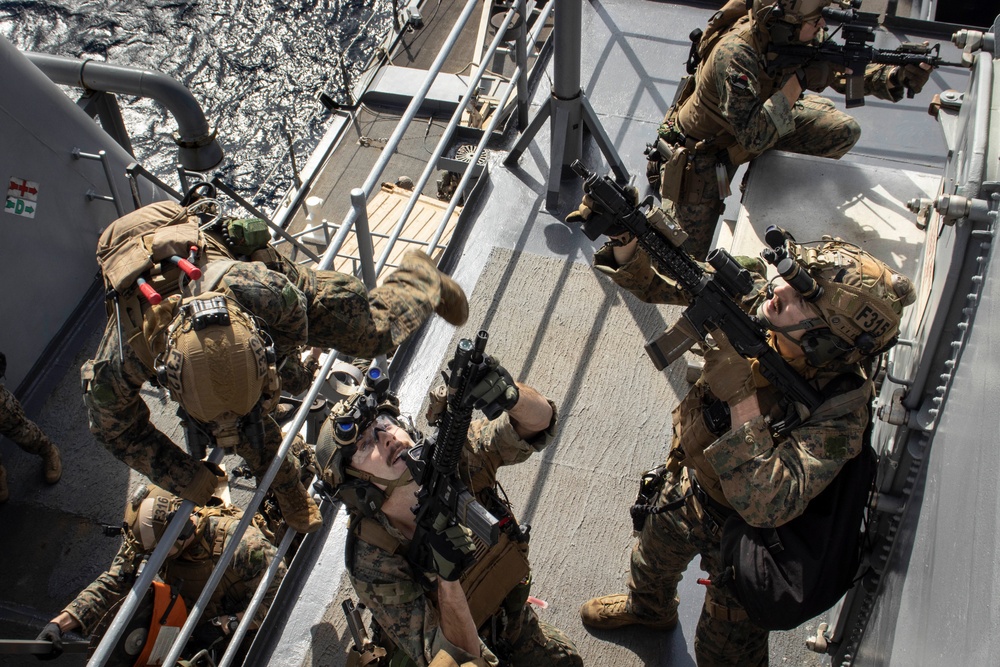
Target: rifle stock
(713,297)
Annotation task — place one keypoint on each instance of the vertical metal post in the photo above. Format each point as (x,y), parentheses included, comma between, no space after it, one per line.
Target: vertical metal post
(366,250)
(109,173)
(521,60)
(182,177)
(567,108)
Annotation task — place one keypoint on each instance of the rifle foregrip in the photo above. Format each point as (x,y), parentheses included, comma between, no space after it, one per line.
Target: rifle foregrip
(476,518)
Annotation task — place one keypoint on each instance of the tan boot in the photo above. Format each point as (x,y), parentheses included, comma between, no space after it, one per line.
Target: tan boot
(611,612)
(453,307)
(4,491)
(299,509)
(52,465)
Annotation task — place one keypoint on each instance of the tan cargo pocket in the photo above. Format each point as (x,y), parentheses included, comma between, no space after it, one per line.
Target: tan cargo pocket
(672,174)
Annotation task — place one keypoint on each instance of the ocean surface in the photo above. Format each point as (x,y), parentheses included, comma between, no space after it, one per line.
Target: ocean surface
(256,67)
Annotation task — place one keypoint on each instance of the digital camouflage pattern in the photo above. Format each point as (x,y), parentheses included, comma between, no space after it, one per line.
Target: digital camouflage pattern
(740,108)
(16,427)
(768,479)
(252,558)
(298,307)
(387,584)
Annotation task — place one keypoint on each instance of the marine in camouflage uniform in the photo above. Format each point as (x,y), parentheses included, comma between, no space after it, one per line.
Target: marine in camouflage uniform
(738,111)
(16,427)
(188,570)
(389,586)
(299,306)
(744,468)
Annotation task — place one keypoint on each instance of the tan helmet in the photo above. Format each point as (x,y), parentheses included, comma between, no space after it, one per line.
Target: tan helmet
(147,514)
(218,364)
(790,11)
(338,438)
(861,302)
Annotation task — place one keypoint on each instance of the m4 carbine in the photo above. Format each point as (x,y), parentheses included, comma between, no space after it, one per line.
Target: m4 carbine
(434,464)
(854,54)
(713,298)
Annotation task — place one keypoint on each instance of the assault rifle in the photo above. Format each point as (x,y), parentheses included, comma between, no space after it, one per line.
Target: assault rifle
(434,464)
(368,652)
(713,297)
(855,54)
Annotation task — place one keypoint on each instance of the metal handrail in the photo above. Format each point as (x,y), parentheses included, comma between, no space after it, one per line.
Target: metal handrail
(357,216)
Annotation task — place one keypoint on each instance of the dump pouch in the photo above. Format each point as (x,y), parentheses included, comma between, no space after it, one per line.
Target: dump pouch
(493,576)
(673,171)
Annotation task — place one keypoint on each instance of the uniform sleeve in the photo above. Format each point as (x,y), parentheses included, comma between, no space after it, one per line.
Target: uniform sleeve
(496,443)
(273,298)
(119,417)
(879,82)
(757,124)
(95,600)
(639,277)
(770,482)
(251,560)
(385,583)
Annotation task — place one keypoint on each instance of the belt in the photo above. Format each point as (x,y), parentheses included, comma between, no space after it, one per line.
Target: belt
(717,510)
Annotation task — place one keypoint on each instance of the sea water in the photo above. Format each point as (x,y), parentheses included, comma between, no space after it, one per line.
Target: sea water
(256,67)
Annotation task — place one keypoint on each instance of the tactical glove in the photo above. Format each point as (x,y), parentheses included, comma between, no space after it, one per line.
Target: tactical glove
(51,633)
(594,215)
(817,75)
(496,391)
(202,487)
(912,77)
(728,375)
(452,548)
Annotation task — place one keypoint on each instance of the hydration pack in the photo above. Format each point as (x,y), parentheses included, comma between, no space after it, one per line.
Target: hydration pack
(787,575)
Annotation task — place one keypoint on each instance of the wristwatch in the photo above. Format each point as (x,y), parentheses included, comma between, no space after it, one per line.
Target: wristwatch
(227,624)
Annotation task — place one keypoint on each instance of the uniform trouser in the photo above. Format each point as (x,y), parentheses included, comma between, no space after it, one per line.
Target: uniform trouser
(529,642)
(343,315)
(15,426)
(667,544)
(821,130)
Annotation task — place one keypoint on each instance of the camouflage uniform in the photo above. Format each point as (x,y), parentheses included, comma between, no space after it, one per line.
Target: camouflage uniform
(299,307)
(737,112)
(388,585)
(766,478)
(17,428)
(253,556)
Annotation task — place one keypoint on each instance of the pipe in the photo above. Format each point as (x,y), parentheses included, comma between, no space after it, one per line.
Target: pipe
(198,148)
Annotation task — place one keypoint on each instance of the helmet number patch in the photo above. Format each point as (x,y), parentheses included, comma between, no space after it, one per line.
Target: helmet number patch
(872,321)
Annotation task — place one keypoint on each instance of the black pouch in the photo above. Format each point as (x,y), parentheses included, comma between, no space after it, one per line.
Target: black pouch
(650,485)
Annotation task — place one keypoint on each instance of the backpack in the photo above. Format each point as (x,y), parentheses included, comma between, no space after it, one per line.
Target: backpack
(787,575)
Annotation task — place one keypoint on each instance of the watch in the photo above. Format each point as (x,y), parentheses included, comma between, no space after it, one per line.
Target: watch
(228,626)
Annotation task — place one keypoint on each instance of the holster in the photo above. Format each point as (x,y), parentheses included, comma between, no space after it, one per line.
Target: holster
(674,170)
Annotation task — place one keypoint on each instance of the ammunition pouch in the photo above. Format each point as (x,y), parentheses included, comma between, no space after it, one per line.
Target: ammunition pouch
(493,576)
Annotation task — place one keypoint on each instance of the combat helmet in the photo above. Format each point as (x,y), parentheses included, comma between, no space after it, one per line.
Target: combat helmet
(781,18)
(338,442)
(860,299)
(148,513)
(219,365)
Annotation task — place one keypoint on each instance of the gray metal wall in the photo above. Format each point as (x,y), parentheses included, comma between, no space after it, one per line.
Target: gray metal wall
(48,261)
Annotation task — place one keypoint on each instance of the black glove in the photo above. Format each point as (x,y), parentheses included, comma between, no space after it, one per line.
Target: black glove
(452,548)
(817,75)
(912,77)
(496,391)
(593,214)
(51,633)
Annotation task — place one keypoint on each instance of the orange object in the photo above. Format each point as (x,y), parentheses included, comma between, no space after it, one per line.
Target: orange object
(169,610)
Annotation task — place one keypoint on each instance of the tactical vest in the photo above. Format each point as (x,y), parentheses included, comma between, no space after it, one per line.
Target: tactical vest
(691,432)
(700,116)
(140,247)
(190,576)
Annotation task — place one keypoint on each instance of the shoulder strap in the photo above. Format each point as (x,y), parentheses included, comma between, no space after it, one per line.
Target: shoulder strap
(840,402)
(374,533)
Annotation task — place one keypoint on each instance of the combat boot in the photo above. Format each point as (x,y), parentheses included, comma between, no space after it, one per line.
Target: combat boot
(612,611)
(52,465)
(4,491)
(453,307)
(299,509)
